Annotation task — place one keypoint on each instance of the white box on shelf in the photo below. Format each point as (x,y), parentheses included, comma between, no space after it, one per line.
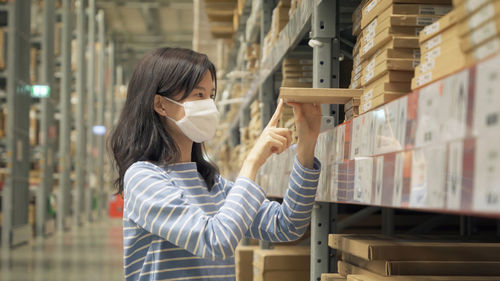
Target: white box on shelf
(428,124)
(339,146)
(379,179)
(322,154)
(363,179)
(487,98)
(454,175)
(388,137)
(334,182)
(453,107)
(398,180)
(486,174)
(428,177)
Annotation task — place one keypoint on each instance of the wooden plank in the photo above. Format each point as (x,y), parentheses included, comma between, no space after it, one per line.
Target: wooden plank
(319,95)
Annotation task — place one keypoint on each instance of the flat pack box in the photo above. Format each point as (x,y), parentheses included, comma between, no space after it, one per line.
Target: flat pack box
(444,268)
(352,103)
(282,263)
(380,24)
(381,64)
(447,39)
(244,262)
(351,113)
(374,277)
(483,33)
(439,26)
(369,47)
(380,100)
(332,277)
(384,83)
(470,21)
(377,247)
(405,7)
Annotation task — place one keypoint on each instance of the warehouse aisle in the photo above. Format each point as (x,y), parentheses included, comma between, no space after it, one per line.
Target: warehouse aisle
(93,252)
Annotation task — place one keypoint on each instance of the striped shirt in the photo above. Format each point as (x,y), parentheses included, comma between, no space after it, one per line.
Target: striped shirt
(175,229)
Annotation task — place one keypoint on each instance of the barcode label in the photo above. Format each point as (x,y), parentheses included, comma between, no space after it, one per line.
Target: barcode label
(424,79)
(434,10)
(431,29)
(483,33)
(368,47)
(487,49)
(472,5)
(368,76)
(370,6)
(425,21)
(433,54)
(368,95)
(433,42)
(481,16)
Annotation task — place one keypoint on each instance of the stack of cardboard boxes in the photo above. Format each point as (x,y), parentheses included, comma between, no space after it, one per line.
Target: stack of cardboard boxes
(282,263)
(387,49)
(297,72)
(376,257)
(352,108)
(279,20)
(467,34)
(252,56)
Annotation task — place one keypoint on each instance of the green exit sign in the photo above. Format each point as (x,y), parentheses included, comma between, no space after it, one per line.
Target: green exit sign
(40,91)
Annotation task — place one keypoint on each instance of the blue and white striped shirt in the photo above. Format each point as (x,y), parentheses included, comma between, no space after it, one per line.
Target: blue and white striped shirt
(175,229)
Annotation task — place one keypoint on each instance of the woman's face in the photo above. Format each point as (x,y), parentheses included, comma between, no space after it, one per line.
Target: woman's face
(204,90)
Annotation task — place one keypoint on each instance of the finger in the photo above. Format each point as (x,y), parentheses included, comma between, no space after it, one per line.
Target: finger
(275,145)
(285,133)
(276,116)
(282,139)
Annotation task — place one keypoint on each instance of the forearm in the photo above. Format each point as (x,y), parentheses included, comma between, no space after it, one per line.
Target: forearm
(249,169)
(305,154)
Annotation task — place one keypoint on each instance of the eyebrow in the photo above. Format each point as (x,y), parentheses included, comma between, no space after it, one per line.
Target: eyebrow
(202,88)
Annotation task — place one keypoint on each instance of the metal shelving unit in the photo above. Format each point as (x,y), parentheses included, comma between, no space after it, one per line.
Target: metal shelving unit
(345,178)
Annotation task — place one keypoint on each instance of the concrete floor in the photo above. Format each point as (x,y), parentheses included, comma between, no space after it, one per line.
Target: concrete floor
(92,252)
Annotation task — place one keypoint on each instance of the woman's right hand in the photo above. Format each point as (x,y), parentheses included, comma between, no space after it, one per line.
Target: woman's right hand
(272,140)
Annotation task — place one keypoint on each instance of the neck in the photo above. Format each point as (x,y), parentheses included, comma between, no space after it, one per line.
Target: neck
(185,148)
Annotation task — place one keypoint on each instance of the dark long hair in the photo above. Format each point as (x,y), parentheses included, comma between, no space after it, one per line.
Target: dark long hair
(140,133)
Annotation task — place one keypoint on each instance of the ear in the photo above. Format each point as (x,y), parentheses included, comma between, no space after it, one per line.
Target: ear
(159,107)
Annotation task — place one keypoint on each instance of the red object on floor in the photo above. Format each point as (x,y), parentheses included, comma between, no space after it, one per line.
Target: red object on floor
(116,207)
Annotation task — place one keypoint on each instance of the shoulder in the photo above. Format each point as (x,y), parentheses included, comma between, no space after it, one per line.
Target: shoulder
(143,170)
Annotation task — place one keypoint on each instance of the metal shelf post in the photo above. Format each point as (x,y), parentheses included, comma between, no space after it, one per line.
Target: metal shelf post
(326,51)
(101,101)
(90,109)
(44,223)
(64,191)
(81,141)
(266,88)
(15,227)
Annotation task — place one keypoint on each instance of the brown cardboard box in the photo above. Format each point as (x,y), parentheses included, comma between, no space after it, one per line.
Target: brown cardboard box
(439,26)
(352,103)
(484,50)
(282,263)
(480,35)
(332,277)
(387,82)
(381,99)
(376,7)
(380,64)
(369,47)
(380,24)
(479,17)
(244,262)
(446,268)
(377,247)
(356,21)
(351,113)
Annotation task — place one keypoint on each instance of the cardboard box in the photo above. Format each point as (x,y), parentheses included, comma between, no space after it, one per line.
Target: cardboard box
(487,12)
(391,42)
(378,247)
(244,262)
(374,8)
(380,65)
(352,103)
(332,277)
(445,268)
(356,21)
(282,263)
(448,39)
(383,84)
(381,99)
(379,24)
(351,113)
(487,31)
(374,277)
(439,26)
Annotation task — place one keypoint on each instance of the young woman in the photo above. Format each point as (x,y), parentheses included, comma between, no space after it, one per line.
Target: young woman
(182,220)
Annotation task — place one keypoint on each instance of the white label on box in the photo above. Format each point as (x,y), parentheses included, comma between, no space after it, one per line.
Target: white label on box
(454,175)
(426,67)
(453,113)
(401,127)
(379,180)
(424,79)
(354,84)
(368,47)
(434,10)
(416,53)
(372,26)
(472,5)
(370,6)
(358,69)
(480,35)
(368,95)
(398,180)
(487,175)
(357,76)
(367,105)
(484,14)
(433,42)
(487,99)
(487,49)
(429,101)
(371,65)
(387,122)
(434,53)
(357,59)
(356,138)
(422,21)
(363,179)
(369,75)
(431,29)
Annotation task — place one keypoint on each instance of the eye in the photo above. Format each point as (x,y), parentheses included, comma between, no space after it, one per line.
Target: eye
(212,96)
(199,95)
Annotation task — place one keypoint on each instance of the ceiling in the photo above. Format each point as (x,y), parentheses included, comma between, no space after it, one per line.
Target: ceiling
(138,26)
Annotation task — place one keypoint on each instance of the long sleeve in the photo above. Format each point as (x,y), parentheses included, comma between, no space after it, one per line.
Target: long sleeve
(287,221)
(156,205)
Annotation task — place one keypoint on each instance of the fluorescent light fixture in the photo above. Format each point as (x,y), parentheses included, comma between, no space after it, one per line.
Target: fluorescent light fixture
(99,130)
(40,91)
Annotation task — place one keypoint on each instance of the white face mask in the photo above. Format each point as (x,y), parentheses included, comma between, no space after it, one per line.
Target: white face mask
(200,120)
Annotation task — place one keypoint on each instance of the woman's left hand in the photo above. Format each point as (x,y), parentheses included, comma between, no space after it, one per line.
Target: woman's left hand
(307,124)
